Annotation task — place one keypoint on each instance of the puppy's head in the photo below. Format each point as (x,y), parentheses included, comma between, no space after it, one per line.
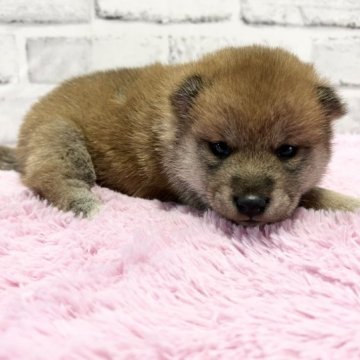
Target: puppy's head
(253,132)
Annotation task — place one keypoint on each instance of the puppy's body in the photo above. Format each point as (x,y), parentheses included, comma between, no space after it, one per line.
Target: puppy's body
(150,132)
(118,121)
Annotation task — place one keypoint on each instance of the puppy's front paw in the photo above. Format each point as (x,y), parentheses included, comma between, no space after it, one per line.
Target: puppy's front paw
(354,204)
(323,199)
(85,206)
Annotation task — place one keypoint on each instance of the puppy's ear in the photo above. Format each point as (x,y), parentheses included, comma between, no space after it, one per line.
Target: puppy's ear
(330,101)
(182,99)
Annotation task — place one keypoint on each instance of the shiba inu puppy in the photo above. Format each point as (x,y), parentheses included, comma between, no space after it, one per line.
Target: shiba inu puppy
(243,131)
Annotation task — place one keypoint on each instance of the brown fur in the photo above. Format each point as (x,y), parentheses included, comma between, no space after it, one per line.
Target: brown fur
(145,132)
(8,159)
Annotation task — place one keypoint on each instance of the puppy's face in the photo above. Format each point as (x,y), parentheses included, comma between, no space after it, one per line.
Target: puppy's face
(254,132)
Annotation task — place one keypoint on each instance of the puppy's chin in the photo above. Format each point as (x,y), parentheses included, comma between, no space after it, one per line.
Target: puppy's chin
(260,220)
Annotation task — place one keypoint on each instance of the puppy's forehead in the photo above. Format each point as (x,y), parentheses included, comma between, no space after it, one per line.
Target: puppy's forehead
(268,99)
(265,117)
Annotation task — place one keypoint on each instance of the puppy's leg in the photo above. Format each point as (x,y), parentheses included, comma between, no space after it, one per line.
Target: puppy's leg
(323,199)
(7,158)
(55,163)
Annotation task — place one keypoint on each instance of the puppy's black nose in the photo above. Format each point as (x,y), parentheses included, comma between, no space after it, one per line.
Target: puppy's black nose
(251,205)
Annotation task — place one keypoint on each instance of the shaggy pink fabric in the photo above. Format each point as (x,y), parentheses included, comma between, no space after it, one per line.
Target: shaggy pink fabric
(146,280)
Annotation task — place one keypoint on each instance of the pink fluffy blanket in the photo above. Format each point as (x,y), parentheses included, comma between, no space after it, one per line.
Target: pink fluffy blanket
(148,280)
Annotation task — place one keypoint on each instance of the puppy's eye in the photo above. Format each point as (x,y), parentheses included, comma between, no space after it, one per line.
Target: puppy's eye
(285,152)
(220,149)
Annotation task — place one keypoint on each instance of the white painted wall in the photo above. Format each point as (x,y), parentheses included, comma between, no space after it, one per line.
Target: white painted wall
(43,42)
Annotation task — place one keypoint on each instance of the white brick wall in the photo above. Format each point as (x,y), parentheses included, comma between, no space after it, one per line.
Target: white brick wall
(43,42)
(339,59)
(8,59)
(52,60)
(302,12)
(165,11)
(45,11)
(128,50)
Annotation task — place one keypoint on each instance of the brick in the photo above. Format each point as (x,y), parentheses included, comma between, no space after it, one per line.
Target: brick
(45,11)
(345,13)
(55,59)
(165,11)
(338,59)
(128,51)
(8,59)
(52,60)
(187,48)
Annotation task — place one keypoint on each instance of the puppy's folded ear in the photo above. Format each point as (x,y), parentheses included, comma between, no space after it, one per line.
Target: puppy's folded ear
(182,99)
(331,102)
